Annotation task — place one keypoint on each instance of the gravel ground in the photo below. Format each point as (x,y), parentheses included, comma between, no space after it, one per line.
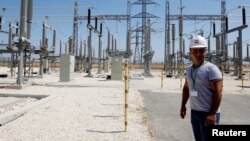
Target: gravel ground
(16,105)
(92,110)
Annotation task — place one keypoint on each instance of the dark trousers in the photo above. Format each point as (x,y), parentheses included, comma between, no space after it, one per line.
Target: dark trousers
(198,119)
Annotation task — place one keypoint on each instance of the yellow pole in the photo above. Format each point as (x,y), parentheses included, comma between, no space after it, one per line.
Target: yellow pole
(126,94)
(162,79)
(242,84)
(182,69)
(129,77)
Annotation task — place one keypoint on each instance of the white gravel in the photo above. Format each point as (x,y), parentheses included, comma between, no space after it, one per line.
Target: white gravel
(93,111)
(16,105)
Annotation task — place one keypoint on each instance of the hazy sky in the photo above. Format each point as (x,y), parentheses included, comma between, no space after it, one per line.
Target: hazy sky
(59,14)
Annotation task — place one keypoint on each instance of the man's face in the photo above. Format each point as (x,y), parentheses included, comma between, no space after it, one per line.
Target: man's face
(198,54)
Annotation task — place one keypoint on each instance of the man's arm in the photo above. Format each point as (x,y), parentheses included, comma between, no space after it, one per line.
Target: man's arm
(185,96)
(217,94)
(216,86)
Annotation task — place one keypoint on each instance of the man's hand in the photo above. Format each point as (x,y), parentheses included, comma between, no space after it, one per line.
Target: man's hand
(210,120)
(183,112)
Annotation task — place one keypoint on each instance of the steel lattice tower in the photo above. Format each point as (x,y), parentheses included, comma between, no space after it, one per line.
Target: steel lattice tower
(143,15)
(137,58)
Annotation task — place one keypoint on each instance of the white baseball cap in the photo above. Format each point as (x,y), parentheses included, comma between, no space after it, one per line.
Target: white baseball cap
(198,42)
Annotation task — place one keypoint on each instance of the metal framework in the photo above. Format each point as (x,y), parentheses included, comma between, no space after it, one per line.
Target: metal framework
(105,17)
(239,44)
(143,15)
(169,58)
(196,17)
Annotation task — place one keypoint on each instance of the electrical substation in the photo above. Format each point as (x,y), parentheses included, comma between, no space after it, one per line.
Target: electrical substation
(140,52)
(95,62)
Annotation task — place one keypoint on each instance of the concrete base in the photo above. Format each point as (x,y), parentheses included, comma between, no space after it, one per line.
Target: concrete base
(88,75)
(37,76)
(137,77)
(17,87)
(147,75)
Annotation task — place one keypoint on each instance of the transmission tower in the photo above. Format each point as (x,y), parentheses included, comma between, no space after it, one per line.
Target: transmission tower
(137,58)
(143,15)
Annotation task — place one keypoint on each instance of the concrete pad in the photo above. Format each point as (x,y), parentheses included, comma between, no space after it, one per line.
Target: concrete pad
(137,76)
(17,87)
(7,100)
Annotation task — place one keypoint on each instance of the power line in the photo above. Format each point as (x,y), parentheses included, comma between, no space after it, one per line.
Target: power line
(52,7)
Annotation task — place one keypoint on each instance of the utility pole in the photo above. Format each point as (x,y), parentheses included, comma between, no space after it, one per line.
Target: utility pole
(167,54)
(100,50)
(180,62)
(75,35)
(27,49)
(21,37)
(173,56)
(148,53)
(90,27)
(128,45)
